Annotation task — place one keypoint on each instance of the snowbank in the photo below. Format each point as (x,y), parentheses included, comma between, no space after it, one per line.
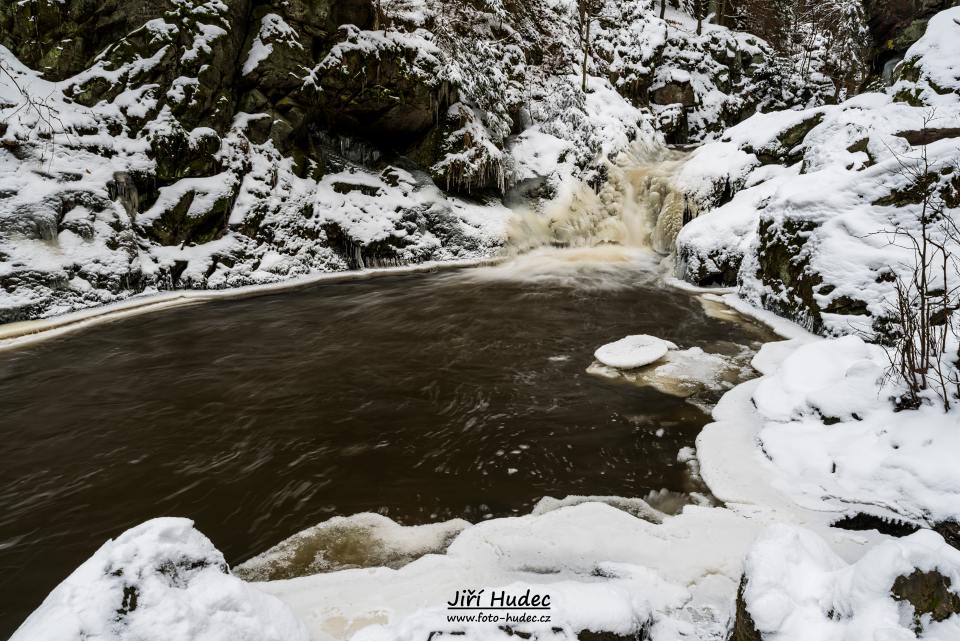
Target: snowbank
(830,428)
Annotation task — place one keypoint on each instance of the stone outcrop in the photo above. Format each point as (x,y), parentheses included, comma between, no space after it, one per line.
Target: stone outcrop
(897,24)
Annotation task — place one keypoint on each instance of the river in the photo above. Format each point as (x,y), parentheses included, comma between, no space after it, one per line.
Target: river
(423,397)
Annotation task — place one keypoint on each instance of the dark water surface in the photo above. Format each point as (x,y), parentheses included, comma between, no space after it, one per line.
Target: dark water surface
(422,397)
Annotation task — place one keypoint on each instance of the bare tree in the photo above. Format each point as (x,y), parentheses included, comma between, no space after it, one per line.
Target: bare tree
(588,10)
(722,12)
(700,12)
(43,117)
(927,290)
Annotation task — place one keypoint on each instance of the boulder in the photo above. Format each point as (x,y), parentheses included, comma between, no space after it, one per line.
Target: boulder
(672,93)
(930,594)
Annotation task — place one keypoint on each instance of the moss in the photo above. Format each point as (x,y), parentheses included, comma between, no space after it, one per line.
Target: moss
(784,266)
(177,226)
(177,157)
(913,194)
(795,135)
(930,595)
(910,97)
(863,146)
(782,151)
(847,306)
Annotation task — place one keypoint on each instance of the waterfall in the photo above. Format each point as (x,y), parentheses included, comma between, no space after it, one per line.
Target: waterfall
(636,208)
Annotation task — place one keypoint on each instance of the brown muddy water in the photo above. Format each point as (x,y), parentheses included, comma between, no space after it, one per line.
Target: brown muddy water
(420,396)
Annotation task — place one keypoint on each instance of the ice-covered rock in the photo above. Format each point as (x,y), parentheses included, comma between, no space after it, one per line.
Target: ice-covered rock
(633,351)
(358,541)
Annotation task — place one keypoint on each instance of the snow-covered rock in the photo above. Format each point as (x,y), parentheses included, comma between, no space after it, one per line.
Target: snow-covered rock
(160,580)
(805,210)
(633,351)
(361,540)
(797,588)
(201,144)
(829,427)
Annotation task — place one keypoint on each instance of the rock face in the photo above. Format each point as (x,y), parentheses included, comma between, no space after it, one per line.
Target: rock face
(744,629)
(897,24)
(216,143)
(795,216)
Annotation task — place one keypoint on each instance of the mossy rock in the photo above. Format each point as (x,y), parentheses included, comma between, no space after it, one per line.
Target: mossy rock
(379,96)
(784,267)
(674,93)
(913,194)
(178,226)
(783,150)
(178,155)
(930,594)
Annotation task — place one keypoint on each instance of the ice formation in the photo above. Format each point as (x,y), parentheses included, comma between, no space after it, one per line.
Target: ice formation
(633,351)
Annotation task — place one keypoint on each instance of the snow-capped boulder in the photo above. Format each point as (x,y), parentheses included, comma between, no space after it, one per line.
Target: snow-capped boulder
(796,588)
(633,351)
(836,379)
(158,581)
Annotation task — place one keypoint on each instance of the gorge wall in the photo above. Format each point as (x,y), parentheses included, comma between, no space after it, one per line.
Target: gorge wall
(163,144)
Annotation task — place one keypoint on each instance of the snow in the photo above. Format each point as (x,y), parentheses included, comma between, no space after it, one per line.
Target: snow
(159,580)
(201,41)
(812,440)
(799,589)
(824,431)
(481,68)
(272,28)
(829,378)
(833,183)
(363,540)
(603,568)
(633,351)
(869,456)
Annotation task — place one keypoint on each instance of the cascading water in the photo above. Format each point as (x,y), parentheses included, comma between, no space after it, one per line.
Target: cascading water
(606,239)
(637,208)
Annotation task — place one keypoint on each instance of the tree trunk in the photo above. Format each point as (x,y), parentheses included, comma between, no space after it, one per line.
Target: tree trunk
(586,48)
(663,9)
